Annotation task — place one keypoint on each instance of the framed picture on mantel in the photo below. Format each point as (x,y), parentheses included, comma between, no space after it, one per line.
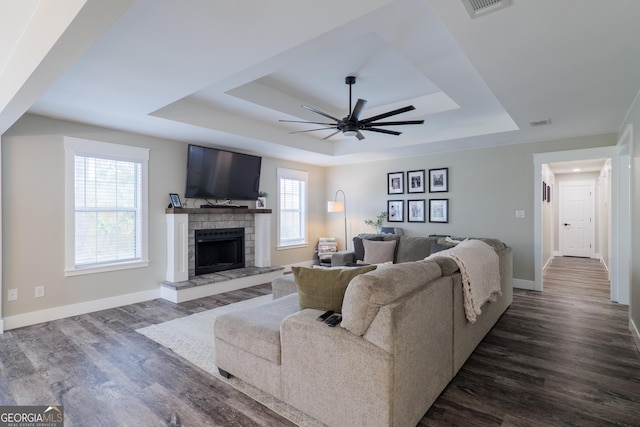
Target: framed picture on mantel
(175,201)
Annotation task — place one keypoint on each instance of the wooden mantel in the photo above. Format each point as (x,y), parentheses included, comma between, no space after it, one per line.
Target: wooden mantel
(216,211)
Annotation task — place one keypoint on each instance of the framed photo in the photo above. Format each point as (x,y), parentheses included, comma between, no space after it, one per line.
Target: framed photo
(175,200)
(438,180)
(395,212)
(395,183)
(415,210)
(415,181)
(438,210)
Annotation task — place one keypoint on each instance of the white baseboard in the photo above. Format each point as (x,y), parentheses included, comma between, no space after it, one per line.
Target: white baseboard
(1,326)
(35,317)
(195,292)
(635,333)
(524,284)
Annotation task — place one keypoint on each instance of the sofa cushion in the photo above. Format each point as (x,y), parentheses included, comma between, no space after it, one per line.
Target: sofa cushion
(447,265)
(324,289)
(413,248)
(358,247)
(368,292)
(257,329)
(378,252)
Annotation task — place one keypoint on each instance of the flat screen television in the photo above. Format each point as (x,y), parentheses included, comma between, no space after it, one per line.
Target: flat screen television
(219,174)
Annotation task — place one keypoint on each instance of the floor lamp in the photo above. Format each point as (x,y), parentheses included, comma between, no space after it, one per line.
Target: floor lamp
(336,206)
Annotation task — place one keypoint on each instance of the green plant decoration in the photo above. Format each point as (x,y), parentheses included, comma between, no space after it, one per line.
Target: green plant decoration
(377,223)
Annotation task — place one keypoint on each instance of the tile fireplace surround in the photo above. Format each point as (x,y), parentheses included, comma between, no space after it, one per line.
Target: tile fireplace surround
(182,284)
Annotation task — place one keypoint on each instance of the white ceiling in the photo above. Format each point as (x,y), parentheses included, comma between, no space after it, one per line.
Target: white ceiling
(223,73)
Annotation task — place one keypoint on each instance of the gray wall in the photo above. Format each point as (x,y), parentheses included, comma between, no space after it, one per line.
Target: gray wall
(633,118)
(486,187)
(33,214)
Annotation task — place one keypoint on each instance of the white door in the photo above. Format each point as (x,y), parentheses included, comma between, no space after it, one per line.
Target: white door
(576,218)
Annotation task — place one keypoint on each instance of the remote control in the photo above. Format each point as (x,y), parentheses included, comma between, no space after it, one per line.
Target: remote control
(325,315)
(331,318)
(336,320)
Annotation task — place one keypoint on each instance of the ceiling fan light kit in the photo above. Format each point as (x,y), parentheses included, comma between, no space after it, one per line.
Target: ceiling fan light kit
(351,125)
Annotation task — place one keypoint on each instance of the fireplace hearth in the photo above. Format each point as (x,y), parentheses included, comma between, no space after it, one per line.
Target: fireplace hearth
(219,250)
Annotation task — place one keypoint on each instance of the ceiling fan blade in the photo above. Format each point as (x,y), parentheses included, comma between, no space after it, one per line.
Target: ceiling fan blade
(302,121)
(320,112)
(359,136)
(390,132)
(311,130)
(405,122)
(358,109)
(327,137)
(387,114)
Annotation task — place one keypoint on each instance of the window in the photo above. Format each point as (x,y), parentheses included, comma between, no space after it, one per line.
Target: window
(106,206)
(292,206)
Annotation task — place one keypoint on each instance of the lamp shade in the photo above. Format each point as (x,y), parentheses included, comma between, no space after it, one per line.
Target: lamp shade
(334,206)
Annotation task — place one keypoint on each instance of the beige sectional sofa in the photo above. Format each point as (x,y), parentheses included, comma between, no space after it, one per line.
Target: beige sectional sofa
(403,337)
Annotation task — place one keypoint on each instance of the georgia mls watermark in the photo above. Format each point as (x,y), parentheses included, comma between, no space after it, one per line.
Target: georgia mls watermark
(31,416)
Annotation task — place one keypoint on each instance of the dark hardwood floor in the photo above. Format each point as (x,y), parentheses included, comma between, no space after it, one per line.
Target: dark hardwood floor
(560,357)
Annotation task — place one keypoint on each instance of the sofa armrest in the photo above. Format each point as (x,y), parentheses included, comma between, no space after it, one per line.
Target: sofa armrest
(342,258)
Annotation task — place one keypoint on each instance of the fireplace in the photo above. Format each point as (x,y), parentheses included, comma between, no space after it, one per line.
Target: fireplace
(219,250)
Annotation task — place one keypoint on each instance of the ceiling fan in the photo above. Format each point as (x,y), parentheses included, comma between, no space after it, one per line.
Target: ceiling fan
(351,125)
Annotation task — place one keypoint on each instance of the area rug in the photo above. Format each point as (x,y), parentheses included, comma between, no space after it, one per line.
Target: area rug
(191,337)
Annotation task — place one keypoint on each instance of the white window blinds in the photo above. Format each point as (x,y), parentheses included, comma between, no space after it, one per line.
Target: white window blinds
(292,205)
(107,210)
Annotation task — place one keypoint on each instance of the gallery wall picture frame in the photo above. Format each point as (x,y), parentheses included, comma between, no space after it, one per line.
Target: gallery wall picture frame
(175,200)
(416,210)
(439,180)
(395,183)
(415,181)
(395,210)
(439,210)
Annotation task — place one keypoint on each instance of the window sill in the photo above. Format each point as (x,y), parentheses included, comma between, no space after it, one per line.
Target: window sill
(106,268)
(293,246)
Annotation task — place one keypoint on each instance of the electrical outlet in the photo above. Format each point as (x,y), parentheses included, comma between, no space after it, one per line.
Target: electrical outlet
(12,294)
(39,291)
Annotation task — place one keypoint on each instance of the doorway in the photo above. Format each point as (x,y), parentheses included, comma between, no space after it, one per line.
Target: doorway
(557,157)
(577,218)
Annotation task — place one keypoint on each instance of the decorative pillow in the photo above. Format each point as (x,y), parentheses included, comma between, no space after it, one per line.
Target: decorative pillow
(358,247)
(448,242)
(437,247)
(324,289)
(378,252)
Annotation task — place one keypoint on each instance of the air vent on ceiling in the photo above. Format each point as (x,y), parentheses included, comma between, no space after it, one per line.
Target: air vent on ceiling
(540,123)
(477,8)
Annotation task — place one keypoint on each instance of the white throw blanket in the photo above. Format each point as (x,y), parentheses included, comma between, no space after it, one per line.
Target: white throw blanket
(478,264)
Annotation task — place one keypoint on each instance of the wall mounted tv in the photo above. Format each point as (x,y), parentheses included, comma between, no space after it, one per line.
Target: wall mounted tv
(219,174)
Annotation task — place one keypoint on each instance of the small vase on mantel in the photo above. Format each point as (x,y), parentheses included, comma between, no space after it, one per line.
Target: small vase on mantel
(261,203)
